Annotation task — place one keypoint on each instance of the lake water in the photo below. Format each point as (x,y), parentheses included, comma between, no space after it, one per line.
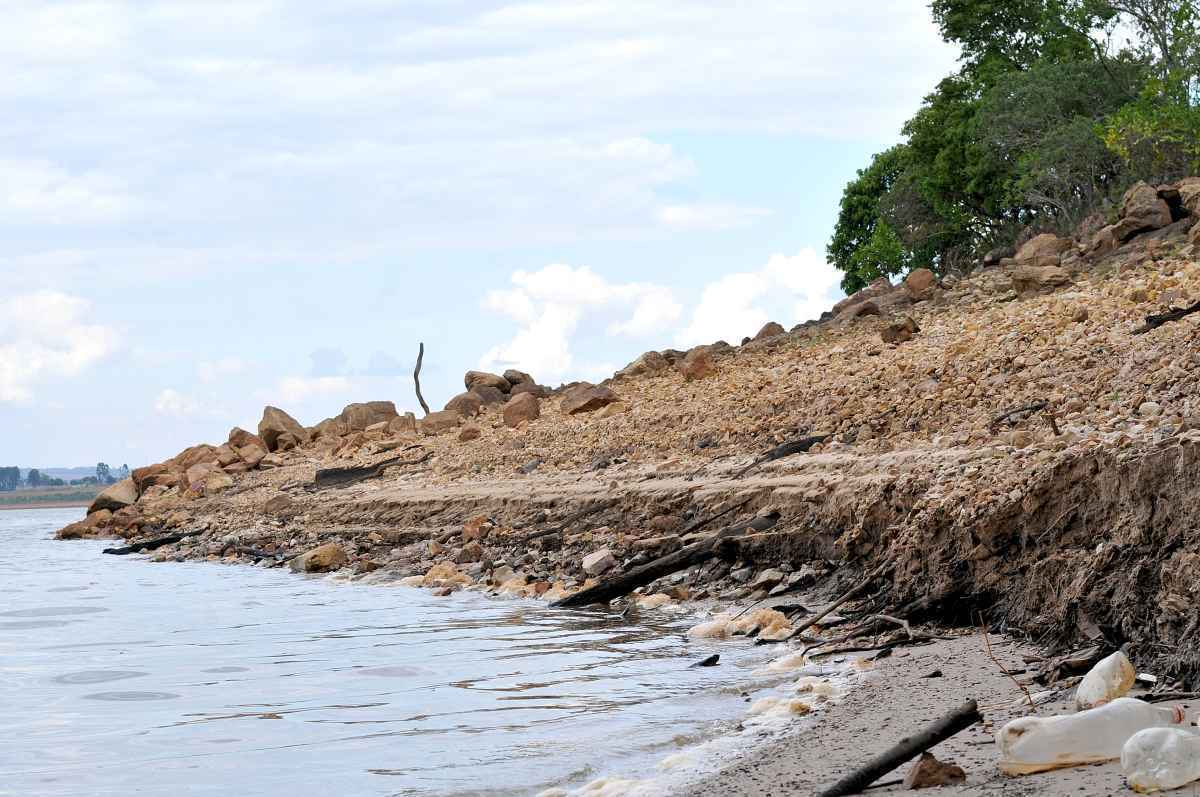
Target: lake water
(125,677)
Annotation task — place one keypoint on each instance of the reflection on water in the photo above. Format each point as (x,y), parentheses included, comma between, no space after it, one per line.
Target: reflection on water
(251,681)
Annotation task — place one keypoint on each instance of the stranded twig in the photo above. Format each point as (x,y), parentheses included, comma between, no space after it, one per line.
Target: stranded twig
(150,545)
(1036,406)
(344,477)
(905,750)
(987,643)
(831,608)
(417,377)
(575,518)
(798,446)
(1174,314)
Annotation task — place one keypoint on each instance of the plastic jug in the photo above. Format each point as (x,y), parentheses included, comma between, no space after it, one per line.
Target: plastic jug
(1160,759)
(1111,678)
(1036,744)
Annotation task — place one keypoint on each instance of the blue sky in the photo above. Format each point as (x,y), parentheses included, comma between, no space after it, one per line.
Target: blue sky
(208,206)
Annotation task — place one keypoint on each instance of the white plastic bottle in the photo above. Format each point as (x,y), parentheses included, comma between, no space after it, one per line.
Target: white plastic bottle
(1036,744)
(1111,678)
(1160,759)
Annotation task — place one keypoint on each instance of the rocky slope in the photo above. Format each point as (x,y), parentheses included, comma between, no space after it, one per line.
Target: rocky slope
(1015,443)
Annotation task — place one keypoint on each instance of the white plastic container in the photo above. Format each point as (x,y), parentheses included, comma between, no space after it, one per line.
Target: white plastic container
(1111,678)
(1037,744)
(1158,759)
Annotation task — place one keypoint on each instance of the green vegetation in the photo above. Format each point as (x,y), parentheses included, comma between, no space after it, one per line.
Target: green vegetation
(33,498)
(1057,107)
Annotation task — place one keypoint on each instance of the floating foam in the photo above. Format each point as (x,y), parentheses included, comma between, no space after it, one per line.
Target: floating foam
(653,601)
(675,761)
(412,581)
(713,629)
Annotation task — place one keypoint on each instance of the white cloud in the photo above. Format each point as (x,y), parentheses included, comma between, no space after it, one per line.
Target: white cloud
(214,370)
(550,304)
(787,289)
(40,192)
(172,402)
(299,389)
(43,336)
(715,216)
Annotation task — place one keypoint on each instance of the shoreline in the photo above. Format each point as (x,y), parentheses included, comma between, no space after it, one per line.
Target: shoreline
(48,505)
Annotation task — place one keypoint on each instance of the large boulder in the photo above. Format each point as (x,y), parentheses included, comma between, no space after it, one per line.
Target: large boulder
(474,378)
(649,363)
(1142,209)
(541,391)
(522,407)
(878,288)
(1189,194)
(490,395)
(405,425)
(276,423)
(117,496)
(148,476)
(1046,249)
(194,456)
(770,330)
(329,556)
(585,397)
(919,284)
(252,455)
(227,455)
(697,364)
(899,332)
(515,377)
(466,404)
(358,417)
(330,427)
(240,438)
(1026,279)
(94,525)
(436,423)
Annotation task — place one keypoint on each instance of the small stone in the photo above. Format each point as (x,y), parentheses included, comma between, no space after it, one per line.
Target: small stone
(471,552)
(1080,315)
(477,528)
(770,330)
(927,772)
(469,432)
(1150,409)
(599,561)
(742,575)
(767,579)
(586,397)
(319,560)
(697,364)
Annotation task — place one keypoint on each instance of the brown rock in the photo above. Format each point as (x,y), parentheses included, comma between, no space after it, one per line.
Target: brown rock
(1104,242)
(477,528)
(281,506)
(1142,209)
(697,364)
(405,425)
(196,475)
(226,455)
(541,391)
(649,363)
(522,407)
(1044,249)
(143,477)
(466,404)
(665,524)
(515,377)
(118,496)
(275,423)
(616,408)
(471,552)
(927,772)
(490,395)
(436,423)
(474,378)
(217,481)
(330,427)
(287,441)
(585,397)
(919,284)
(126,521)
(878,288)
(769,330)
(858,310)
(94,525)
(240,438)
(252,454)
(320,560)
(469,432)
(194,456)
(358,417)
(900,332)
(1032,278)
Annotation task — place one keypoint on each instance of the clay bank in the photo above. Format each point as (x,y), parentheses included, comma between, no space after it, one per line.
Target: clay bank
(1017,447)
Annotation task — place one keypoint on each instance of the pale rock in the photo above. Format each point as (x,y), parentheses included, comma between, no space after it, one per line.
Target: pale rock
(116,496)
(476,378)
(323,559)
(598,562)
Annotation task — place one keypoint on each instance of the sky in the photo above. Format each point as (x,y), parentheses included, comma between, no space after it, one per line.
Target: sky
(210,206)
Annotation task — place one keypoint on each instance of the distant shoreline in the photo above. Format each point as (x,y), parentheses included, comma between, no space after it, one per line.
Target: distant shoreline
(48,505)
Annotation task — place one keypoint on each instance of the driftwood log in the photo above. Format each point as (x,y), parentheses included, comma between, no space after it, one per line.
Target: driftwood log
(1174,314)
(694,554)
(344,477)
(906,750)
(798,446)
(417,377)
(571,520)
(150,545)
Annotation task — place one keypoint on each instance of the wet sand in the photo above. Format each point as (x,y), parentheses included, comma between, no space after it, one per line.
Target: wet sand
(897,701)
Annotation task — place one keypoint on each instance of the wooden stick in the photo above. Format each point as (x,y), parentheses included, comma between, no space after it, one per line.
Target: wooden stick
(417,377)
(905,750)
(1003,669)
(798,446)
(575,518)
(150,545)
(862,585)
(344,477)
(1036,406)
(1174,314)
(687,556)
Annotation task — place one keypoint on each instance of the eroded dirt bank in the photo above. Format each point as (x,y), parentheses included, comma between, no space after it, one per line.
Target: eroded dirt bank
(1018,445)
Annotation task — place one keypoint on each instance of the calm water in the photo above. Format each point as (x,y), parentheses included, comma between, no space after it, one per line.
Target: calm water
(124,677)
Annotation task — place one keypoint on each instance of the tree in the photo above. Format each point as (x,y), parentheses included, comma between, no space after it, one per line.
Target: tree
(10,479)
(103,474)
(863,245)
(34,478)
